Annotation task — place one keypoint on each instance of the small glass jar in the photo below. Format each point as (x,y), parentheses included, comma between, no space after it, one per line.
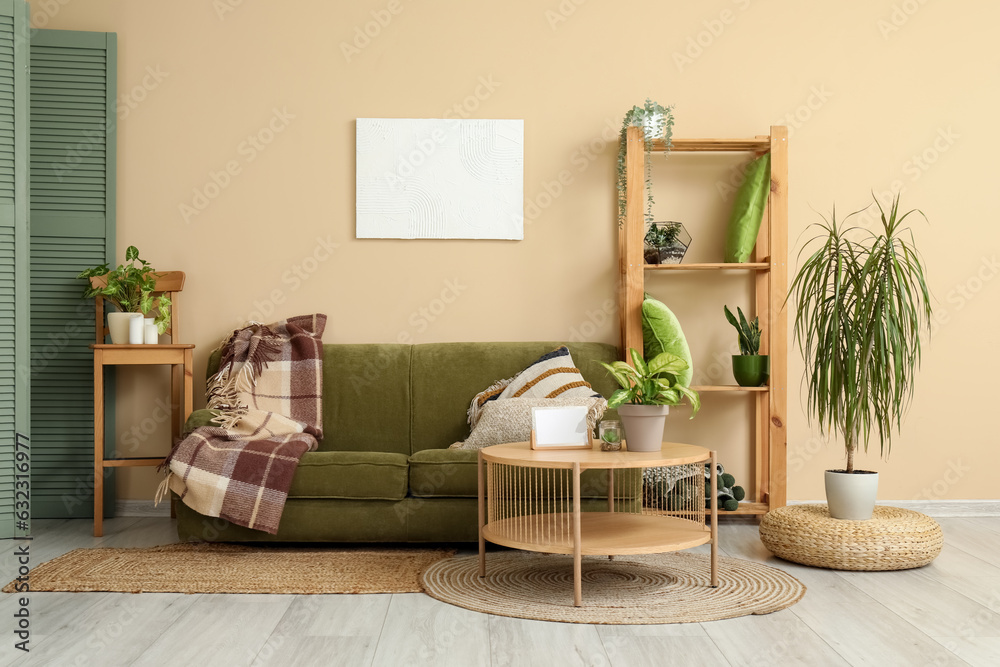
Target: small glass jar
(610,433)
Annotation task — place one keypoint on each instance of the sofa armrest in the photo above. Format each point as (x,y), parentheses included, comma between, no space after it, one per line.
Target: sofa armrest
(199,418)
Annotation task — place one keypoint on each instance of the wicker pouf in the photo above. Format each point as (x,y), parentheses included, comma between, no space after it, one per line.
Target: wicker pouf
(893,539)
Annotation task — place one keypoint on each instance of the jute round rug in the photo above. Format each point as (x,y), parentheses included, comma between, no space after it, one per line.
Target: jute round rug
(640,590)
(226,568)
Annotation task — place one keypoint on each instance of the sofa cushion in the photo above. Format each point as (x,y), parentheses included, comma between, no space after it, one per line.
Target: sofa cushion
(444,473)
(451,473)
(366,397)
(511,419)
(445,377)
(372,475)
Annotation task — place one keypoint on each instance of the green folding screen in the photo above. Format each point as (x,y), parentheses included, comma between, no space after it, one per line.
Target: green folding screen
(14,372)
(72,216)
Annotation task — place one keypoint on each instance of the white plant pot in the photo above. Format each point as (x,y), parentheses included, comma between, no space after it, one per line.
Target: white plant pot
(643,426)
(851,496)
(118,326)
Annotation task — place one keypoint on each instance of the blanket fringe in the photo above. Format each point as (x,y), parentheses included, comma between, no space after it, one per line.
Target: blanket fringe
(162,489)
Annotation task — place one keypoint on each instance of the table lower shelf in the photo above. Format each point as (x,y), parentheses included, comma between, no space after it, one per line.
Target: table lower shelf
(603,533)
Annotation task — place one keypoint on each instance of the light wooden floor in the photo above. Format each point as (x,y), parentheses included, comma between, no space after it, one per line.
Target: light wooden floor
(945,614)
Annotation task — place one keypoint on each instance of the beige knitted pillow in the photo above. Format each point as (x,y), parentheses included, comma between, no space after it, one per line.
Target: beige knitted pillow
(509,420)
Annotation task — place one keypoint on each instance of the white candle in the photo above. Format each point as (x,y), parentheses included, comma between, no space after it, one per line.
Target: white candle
(151,338)
(135,334)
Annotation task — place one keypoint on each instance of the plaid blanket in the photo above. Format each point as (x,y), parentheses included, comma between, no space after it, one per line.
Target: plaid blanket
(268,395)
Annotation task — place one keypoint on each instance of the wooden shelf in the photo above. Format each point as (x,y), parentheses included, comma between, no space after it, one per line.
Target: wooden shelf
(710,266)
(756,145)
(137,461)
(602,533)
(745,509)
(727,387)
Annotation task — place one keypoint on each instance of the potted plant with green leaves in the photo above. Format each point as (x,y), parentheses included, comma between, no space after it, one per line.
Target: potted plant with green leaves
(861,302)
(129,288)
(647,392)
(750,368)
(657,122)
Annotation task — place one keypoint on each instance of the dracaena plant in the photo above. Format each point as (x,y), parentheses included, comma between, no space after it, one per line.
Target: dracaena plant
(749,332)
(130,288)
(657,122)
(652,383)
(861,302)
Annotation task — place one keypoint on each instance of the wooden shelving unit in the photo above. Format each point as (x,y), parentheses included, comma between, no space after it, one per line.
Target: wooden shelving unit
(770,275)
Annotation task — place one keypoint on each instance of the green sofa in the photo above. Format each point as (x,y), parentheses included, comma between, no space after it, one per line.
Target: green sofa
(383,471)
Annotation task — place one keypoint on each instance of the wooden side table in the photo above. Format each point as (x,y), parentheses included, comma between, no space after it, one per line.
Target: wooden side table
(178,356)
(182,373)
(531,500)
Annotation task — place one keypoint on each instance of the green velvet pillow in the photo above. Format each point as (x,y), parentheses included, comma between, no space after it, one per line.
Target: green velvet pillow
(661,332)
(748,210)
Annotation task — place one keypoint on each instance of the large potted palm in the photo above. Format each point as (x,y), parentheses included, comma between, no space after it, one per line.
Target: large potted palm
(860,304)
(647,392)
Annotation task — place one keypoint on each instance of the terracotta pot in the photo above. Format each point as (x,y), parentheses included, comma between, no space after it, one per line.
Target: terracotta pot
(851,496)
(643,426)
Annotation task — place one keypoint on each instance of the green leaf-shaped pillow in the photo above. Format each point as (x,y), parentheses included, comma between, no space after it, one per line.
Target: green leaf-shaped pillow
(661,332)
(748,210)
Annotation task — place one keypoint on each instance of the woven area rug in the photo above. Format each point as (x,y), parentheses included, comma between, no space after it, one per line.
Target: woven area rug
(640,590)
(225,568)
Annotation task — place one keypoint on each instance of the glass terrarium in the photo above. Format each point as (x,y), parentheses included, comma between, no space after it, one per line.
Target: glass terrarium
(666,243)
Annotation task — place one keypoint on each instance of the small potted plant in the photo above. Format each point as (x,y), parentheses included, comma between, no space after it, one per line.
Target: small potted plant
(750,368)
(861,304)
(646,394)
(666,243)
(129,288)
(657,122)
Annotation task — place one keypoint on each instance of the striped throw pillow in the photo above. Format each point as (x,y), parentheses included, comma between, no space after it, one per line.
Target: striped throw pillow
(553,376)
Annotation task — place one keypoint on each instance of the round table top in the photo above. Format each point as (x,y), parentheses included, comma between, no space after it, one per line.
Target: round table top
(520,453)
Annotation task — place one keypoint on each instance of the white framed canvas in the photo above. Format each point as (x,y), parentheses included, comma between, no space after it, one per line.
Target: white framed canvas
(440,178)
(560,428)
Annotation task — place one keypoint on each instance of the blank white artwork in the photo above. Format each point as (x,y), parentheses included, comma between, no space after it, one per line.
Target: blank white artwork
(560,426)
(440,179)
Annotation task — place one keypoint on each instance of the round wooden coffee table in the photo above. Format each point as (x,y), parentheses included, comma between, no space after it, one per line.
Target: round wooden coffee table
(531,499)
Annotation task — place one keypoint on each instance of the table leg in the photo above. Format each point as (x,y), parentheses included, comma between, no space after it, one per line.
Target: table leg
(715,522)
(611,495)
(577,540)
(98,443)
(482,513)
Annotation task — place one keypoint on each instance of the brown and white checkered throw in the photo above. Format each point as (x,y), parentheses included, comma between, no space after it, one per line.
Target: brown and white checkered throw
(269,397)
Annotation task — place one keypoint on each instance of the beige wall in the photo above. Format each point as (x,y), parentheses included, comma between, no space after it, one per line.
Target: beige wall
(865,87)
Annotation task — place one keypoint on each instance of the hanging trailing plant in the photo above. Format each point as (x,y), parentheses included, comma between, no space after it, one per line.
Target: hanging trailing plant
(656,122)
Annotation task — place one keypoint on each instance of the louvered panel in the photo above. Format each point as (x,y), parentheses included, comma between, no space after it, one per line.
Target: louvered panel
(14,292)
(7,110)
(72,207)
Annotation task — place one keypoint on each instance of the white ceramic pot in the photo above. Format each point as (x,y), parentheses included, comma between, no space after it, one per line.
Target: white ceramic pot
(643,426)
(118,326)
(851,496)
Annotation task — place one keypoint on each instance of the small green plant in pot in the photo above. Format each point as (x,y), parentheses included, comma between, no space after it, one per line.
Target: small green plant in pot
(861,302)
(750,368)
(129,288)
(647,392)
